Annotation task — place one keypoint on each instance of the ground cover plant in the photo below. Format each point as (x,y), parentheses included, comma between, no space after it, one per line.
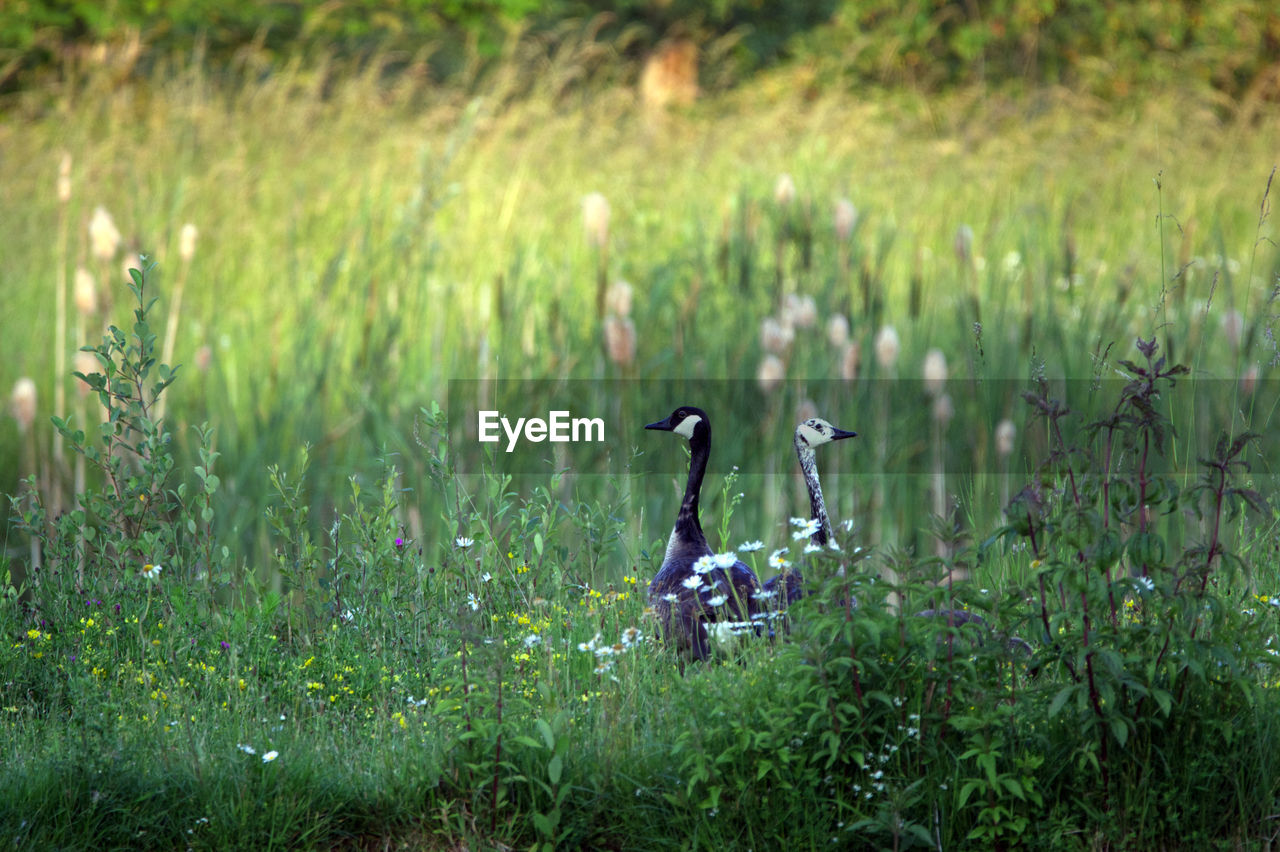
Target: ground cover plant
(260,592)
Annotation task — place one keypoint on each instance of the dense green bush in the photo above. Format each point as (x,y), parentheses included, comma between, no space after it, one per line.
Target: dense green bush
(1108,45)
(1105,44)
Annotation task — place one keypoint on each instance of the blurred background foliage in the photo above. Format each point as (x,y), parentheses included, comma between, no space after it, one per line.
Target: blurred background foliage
(1232,46)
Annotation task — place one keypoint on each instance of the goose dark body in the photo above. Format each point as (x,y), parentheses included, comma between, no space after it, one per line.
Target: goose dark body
(683,612)
(813,432)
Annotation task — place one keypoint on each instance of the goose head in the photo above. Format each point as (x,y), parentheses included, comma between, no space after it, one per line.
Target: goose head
(685,421)
(815,432)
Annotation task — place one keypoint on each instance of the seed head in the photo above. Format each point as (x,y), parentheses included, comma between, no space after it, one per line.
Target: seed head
(132,260)
(104,236)
(86,363)
(771,373)
(618,299)
(943,410)
(1006,434)
(776,336)
(1233,327)
(846,217)
(187,242)
(86,292)
(64,179)
(837,330)
(1249,380)
(850,360)
(620,340)
(799,311)
(784,191)
(595,219)
(935,371)
(887,347)
(22,403)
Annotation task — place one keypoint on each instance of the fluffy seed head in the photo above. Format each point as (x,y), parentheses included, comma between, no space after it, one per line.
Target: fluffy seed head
(850,360)
(132,260)
(837,330)
(595,219)
(887,347)
(943,410)
(846,217)
(771,373)
(85,292)
(1233,327)
(22,403)
(64,179)
(620,340)
(187,242)
(1006,434)
(799,311)
(618,299)
(784,191)
(776,336)
(935,371)
(86,363)
(1249,379)
(104,236)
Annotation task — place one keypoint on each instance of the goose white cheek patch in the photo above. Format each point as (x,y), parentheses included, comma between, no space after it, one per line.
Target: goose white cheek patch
(812,436)
(687,425)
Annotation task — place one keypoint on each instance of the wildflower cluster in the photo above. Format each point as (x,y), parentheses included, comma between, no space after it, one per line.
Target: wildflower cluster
(606,654)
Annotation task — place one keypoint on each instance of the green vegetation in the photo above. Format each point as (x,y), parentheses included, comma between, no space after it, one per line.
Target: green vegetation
(1104,46)
(263,593)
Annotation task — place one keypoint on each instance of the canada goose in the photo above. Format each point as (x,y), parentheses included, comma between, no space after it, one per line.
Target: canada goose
(683,605)
(813,432)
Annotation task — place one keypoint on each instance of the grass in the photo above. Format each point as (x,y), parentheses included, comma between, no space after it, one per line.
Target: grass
(435,643)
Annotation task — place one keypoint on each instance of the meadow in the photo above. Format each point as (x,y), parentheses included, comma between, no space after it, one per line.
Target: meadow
(283,600)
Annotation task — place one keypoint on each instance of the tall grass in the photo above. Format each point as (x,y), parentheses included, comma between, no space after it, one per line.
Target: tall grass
(362,243)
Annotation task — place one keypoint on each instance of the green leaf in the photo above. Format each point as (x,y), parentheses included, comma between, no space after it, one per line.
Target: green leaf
(1060,700)
(548,736)
(554,768)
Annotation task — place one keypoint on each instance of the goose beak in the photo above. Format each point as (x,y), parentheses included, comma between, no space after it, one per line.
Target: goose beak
(838,434)
(661,425)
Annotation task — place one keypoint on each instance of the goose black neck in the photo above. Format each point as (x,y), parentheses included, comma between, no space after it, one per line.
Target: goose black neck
(688,526)
(817,507)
